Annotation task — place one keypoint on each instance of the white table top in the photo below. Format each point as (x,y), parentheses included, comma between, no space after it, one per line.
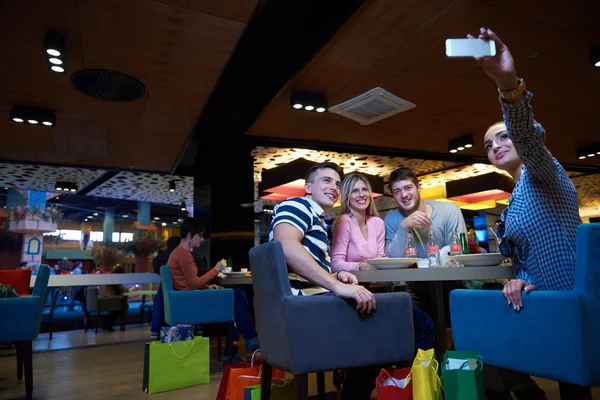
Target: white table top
(435,274)
(99,279)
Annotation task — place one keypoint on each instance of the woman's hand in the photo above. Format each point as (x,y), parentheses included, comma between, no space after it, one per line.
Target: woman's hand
(214,287)
(501,67)
(365,266)
(512,292)
(221,265)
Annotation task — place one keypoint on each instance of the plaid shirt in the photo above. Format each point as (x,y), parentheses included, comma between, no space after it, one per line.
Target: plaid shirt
(543,215)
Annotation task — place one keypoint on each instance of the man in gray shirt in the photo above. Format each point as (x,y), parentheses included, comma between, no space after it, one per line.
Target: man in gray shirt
(419,216)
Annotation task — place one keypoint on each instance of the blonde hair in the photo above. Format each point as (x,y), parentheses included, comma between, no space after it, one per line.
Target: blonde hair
(348,186)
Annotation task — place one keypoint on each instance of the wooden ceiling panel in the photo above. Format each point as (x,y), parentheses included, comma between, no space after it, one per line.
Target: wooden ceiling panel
(240,11)
(453,96)
(178,50)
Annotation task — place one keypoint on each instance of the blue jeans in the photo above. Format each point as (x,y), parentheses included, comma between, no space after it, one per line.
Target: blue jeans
(158,312)
(243,319)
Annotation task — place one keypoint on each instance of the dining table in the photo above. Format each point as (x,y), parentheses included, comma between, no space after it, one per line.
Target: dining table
(99,279)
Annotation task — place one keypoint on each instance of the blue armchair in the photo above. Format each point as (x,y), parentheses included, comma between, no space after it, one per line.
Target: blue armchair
(304,334)
(20,319)
(554,336)
(197,307)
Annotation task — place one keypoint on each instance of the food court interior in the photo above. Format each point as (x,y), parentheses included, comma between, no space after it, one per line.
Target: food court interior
(153,111)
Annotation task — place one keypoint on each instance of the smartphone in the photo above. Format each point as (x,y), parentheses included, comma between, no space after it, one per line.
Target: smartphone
(470,47)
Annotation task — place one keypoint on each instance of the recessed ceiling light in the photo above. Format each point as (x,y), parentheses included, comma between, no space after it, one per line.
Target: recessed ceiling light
(85,220)
(309,108)
(32,121)
(55,61)
(468,146)
(581,157)
(297,106)
(73,190)
(164,224)
(308,100)
(53,52)
(47,123)
(58,188)
(320,109)
(453,150)
(56,68)
(33,115)
(95,214)
(125,215)
(156,218)
(460,148)
(18,119)
(591,155)
(90,216)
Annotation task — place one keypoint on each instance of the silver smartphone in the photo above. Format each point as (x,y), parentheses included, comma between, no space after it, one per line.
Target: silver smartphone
(470,47)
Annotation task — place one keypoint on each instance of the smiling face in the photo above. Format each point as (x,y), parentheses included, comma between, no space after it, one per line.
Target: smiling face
(360,197)
(500,149)
(324,187)
(407,195)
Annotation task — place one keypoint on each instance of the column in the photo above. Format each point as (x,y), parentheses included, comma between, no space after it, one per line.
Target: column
(143,213)
(109,224)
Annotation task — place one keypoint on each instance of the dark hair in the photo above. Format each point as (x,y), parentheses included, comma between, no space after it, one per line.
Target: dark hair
(402,174)
(173,242)
(191,226)
(118,270)
(310,174)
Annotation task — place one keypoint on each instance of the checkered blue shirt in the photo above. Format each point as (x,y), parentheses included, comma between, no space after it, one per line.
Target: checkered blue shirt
(543,215)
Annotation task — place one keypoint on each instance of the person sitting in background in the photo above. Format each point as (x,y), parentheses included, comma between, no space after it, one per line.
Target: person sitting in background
(158,308)
(538,229)
(109,319)
(184,273)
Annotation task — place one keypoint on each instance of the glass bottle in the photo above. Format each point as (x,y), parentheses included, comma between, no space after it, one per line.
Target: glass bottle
(464,243)
(410,251)
(455,246)
(433,251)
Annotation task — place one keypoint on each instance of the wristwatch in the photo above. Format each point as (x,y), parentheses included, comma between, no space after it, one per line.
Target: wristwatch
(514,93)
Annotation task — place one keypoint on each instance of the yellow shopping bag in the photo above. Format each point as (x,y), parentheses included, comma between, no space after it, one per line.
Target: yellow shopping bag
(426,381)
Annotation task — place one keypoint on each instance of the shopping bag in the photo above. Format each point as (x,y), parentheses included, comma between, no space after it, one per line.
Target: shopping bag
(170,366)
(225,378)
(425,379)
(280,390)
(394,384)
(239,378)
(462,376)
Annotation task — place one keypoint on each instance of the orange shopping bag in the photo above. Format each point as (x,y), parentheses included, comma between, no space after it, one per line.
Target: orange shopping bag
(240,378)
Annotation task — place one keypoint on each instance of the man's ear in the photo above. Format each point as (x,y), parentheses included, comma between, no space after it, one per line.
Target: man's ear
(307,188)
(419,187)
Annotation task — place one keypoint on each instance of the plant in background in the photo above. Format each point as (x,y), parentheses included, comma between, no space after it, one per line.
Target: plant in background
(105,256)
(50,214)
(143,244)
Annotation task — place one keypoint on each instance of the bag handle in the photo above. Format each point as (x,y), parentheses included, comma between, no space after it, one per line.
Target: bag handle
(433,360)
(188,353)
(394,380)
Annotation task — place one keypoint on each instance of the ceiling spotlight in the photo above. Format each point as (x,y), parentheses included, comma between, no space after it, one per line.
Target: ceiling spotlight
(55,52)
(125,215)
(90,217)
(308,100)
(156,218)
(171,186)
(32,115)
(65,186)
(164,224)
(85,220)
(183,206)
(588,151)
(95,214)
(595,56)
(58,188)
(460,143)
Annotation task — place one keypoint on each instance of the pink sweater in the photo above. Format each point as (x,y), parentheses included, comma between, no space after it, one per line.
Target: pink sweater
(349,245)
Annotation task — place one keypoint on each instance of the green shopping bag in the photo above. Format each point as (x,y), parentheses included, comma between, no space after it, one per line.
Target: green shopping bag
(462,375)
(175,365)
(280,390)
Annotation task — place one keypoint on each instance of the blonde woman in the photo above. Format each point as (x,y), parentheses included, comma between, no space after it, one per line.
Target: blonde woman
(358,232)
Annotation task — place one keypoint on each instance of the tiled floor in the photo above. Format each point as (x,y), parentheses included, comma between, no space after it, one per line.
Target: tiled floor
(110,366)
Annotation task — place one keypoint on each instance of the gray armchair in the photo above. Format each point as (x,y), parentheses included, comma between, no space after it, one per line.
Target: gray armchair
(304,334)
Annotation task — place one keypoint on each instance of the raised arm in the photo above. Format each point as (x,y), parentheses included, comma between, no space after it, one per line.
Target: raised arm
(189,270)
(528,137)
(342,235)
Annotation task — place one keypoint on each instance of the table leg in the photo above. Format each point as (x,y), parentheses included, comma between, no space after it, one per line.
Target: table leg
(439,320)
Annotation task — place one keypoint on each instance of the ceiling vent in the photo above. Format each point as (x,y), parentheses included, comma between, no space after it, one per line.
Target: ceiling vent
(372,106)
(105,84)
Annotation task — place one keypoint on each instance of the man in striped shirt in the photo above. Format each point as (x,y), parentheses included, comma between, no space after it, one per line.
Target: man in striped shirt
(298,223)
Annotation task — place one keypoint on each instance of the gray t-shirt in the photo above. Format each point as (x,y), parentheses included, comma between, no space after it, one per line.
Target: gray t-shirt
(445,218)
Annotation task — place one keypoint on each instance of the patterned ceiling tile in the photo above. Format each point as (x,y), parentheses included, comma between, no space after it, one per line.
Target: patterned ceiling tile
(43,178)
(271,157)
(154,188)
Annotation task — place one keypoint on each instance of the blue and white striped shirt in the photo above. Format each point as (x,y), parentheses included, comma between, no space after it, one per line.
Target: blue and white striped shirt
(306,216)
(543,215)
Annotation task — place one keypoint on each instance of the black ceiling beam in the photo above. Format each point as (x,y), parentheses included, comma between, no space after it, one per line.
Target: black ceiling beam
(97,182)
(279,40)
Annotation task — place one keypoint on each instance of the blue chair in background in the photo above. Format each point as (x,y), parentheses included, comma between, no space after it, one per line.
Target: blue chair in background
(554,336)
(20,319)
(197,307)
